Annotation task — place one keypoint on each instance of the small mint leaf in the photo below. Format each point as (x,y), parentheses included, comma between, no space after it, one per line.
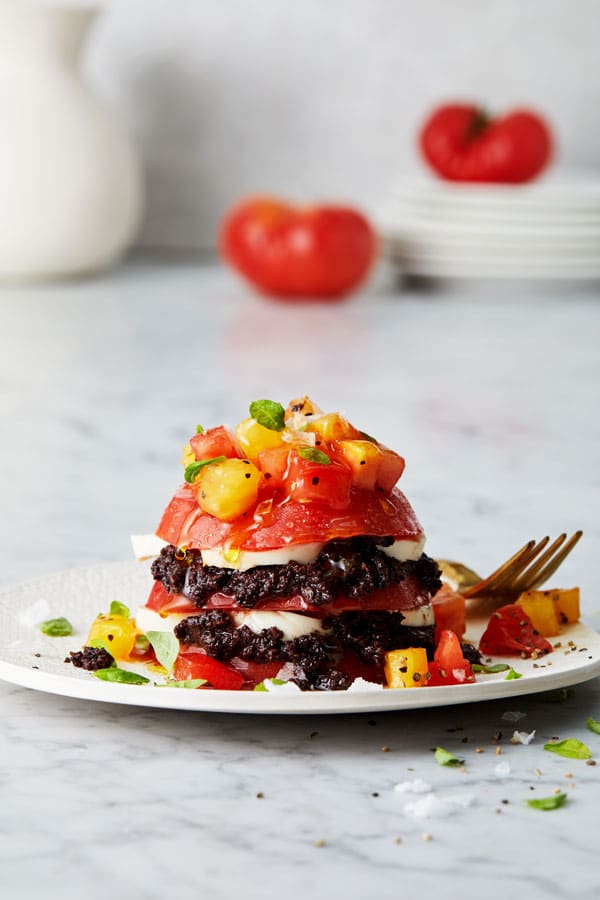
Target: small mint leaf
(548,802)
(119,609)
(121,676)
(570,748)
(445,758)
(312,454)
(59,627)
(166,648)
(269,414)
(192,470)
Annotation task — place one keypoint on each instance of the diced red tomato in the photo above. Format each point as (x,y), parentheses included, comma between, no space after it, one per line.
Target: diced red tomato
(314,482)
(273,463)
(510,632)
(390,468)
(199,665)
(449,665)
(449,611)
(214,442)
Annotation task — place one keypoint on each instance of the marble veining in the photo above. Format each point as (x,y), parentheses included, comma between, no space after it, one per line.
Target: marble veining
(489,395)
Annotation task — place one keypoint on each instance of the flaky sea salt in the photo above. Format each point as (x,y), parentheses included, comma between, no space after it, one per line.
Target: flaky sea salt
(417,786)
(431,806)
(362,686)
(502,770)
(522,737)
(512,715)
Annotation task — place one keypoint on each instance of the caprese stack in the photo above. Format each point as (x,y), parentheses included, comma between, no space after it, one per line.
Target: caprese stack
(289,553)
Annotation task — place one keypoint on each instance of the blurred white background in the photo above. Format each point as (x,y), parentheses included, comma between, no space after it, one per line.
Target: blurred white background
(322,100)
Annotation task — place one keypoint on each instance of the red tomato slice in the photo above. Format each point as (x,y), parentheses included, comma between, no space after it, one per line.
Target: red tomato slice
(189,665)
(510,632)
(255,672)
(449,610)
(356,668)
(405,595)
(449,665)
(289,522)
(273,464)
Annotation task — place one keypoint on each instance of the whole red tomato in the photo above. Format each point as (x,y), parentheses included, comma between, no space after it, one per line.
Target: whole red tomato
(462,144)
(286,251)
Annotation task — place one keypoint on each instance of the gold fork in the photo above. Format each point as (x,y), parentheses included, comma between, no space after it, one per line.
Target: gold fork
(527,569)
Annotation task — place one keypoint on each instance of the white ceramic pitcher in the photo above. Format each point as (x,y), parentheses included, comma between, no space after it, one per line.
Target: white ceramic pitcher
(70,182)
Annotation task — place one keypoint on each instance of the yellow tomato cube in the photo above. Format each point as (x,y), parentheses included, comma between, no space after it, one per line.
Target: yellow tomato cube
(116,633)
(254,437)
(566,602)
(333,427)
(406,668)
(540,608)
(188,456)
(363,457)
(227,489)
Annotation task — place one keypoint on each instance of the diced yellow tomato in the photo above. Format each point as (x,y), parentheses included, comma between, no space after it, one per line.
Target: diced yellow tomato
(188,456)
(333,427)
(406,668)
(116,633)
(254,437)
(301,405)
(566,602)
(540,608)
(363,457)
(227,489)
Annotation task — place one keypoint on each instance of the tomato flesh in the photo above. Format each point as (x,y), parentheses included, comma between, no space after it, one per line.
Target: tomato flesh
(510,632)
(214,442)
(189,665)
(289,522)
(404,595)
(449,665)
(449,611)
(308,481)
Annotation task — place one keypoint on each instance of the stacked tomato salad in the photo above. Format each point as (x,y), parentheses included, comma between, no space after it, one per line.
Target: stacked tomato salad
(289,553)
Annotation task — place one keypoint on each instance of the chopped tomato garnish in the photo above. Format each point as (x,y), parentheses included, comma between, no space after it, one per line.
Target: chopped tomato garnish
(510,632)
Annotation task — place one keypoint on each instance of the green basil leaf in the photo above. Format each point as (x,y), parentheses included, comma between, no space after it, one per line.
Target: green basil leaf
(190,683)
(570,748)
(269,414)
(512,675)
(367,437)
(314,455)
(165,646)
(490,670)
(593,725)
(445,758)
(199,429)
(60,627)
(548,802)
(192,470)
(122,676)
(119,609)
(262,686)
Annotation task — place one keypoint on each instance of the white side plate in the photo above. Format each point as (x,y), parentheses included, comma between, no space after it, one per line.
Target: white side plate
(30,659)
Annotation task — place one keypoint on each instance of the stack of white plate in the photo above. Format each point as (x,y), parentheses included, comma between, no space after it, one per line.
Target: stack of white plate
(546,230)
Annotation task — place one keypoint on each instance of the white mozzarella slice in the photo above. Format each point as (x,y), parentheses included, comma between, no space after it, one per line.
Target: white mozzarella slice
(146,545)
(292,625)
(149,620)
(247,559)
(405,550)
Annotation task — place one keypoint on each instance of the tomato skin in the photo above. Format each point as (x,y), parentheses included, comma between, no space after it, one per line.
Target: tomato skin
(199,665)
(449,610)
(308,481)
(405,595)
(183,523)
(254,672)
(274,464)
(461,144)
(509,632)
(215,442)
(449,665)
(290,252)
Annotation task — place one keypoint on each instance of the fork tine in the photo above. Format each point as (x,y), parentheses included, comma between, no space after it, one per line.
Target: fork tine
(482,587)
(529,574)
(507,580)
(553,564)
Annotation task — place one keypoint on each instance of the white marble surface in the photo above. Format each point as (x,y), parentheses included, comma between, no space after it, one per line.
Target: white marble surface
(491,394)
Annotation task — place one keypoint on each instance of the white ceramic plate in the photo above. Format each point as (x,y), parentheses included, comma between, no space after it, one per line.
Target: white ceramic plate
(30,659)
